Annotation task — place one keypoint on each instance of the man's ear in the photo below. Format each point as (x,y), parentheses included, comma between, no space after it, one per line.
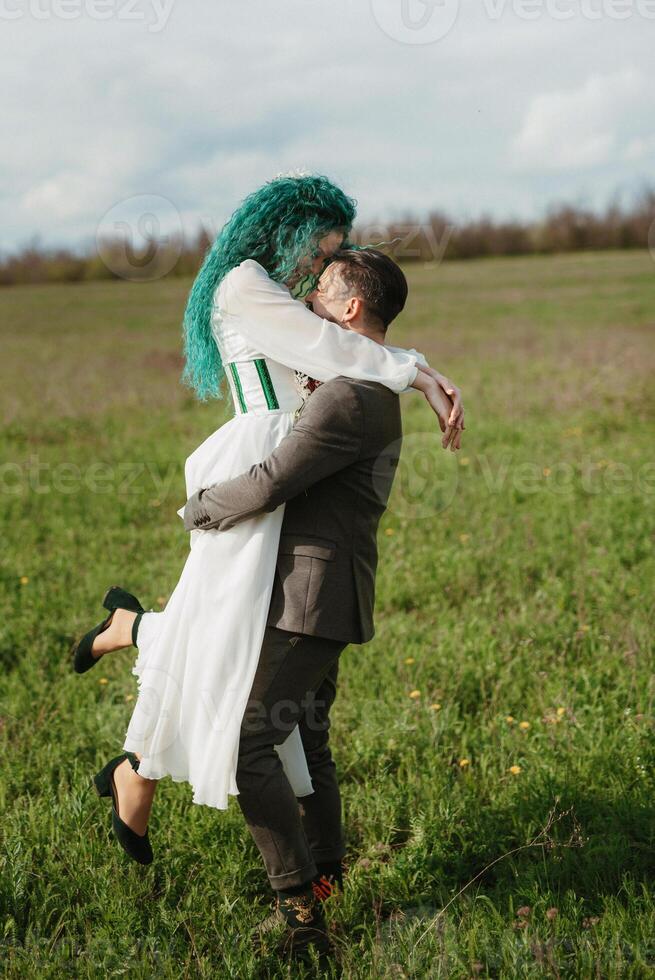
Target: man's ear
(354,309)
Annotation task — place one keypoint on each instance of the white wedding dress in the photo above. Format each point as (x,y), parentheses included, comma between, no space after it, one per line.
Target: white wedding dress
(197,658)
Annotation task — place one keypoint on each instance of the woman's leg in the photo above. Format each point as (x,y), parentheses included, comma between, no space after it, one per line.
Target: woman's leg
(135,796)
(121,631)
(135,793)
(117,635)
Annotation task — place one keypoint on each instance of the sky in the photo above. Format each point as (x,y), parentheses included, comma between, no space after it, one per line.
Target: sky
(113,109)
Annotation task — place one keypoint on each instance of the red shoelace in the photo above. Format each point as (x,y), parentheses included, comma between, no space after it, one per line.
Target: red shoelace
(324,887)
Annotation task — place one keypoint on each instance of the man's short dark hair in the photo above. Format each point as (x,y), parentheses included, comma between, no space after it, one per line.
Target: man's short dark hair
(376,279)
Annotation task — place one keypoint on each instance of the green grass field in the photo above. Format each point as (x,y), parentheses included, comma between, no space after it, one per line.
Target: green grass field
(495,740)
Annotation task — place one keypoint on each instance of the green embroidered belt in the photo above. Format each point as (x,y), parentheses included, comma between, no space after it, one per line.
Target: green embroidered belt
(251,386)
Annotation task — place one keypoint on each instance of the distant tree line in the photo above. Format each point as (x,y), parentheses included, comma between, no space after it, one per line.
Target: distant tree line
(565,228)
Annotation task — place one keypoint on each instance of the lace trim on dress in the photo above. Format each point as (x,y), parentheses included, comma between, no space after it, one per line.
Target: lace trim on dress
(305,384)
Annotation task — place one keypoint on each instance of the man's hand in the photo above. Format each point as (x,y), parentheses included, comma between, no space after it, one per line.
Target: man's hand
(327,437)
(195,514)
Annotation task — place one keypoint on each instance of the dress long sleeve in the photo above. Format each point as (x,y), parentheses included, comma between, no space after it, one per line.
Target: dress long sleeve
(420,359)
(284,329)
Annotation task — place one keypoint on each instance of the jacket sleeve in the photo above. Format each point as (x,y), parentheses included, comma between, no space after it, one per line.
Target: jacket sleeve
(284,329)
(326,438)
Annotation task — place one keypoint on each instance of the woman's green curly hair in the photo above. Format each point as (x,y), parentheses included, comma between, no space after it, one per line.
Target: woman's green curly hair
(278,225)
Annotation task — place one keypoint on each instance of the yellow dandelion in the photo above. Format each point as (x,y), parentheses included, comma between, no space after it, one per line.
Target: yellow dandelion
(464,461)
(464,763)
(435,707)
(546,471)
(414,694)
(510,719)
(389,531)
(561,711)
(515,770)
(129,697)
(464,538)
(24,580)
(103,680)
(524,725)
(409,660)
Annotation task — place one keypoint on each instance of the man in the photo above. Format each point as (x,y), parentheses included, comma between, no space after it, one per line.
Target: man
(334,471)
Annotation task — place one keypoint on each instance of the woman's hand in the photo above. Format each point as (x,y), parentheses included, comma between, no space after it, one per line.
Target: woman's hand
(452,391)
(445,408)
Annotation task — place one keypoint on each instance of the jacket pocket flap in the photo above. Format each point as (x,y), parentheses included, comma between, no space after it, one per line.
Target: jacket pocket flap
(307,546)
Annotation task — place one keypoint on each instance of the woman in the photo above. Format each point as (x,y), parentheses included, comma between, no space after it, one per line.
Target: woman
(197,658)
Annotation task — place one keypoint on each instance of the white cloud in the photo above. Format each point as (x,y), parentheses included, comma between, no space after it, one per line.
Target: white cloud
(229,94)
(578,127)
(640,148)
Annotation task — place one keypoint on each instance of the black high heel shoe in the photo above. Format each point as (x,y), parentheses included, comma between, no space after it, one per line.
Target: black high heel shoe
(115,598)
(138,847)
